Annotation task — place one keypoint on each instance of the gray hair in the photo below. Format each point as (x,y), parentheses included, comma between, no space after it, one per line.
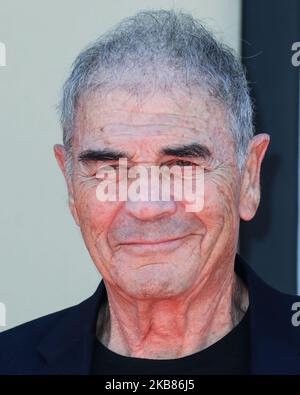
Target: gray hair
(159,50)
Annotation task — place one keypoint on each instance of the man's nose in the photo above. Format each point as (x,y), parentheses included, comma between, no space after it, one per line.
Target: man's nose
(150,210)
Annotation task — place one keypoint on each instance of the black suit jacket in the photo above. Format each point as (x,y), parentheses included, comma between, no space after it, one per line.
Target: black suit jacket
(62,342)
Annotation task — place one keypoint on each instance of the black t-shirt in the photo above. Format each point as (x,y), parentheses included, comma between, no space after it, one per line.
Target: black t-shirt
(229,355)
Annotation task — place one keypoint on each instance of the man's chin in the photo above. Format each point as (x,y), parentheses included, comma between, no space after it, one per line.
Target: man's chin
(154,281)
(151,293)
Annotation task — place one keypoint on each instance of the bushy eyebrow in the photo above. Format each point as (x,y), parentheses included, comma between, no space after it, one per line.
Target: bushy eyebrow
(101,154)
(193,150)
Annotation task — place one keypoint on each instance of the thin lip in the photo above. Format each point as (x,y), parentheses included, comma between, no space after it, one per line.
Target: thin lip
(150,242)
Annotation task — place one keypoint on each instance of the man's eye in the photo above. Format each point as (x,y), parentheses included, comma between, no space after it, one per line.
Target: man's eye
(181,162)
(114,170)
(108,167)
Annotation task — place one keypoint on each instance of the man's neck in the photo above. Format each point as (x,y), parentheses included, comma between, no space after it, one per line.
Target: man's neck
(168,329)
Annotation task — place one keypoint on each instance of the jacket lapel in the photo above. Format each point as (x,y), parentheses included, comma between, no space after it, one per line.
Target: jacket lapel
(68,348)
(275,343)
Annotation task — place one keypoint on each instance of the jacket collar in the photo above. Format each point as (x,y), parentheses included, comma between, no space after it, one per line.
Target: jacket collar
(275,344)
(68,348)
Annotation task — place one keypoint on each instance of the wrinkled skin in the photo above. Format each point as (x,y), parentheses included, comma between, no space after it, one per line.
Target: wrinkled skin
(175,298)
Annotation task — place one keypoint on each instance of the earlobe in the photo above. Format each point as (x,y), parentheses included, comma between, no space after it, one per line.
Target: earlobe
(250,184)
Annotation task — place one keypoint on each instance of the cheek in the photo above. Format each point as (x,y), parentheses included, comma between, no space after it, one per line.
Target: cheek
(219,217)
(220,203)
(95,217)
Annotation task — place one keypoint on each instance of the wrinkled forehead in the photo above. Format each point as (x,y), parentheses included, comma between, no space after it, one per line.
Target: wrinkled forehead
(119,117)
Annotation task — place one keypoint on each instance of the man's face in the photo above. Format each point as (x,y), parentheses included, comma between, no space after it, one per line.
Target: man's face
(126,239)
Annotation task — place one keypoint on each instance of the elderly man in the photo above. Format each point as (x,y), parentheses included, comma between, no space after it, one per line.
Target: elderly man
(160,92)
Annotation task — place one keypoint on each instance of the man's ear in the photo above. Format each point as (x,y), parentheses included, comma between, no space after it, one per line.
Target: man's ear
(250,181)
(60,155)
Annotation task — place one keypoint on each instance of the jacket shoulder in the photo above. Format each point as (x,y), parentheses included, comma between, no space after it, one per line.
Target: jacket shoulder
(18,345)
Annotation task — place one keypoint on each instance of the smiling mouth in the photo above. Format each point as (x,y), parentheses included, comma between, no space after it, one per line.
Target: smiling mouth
(153,242)
(154,246)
